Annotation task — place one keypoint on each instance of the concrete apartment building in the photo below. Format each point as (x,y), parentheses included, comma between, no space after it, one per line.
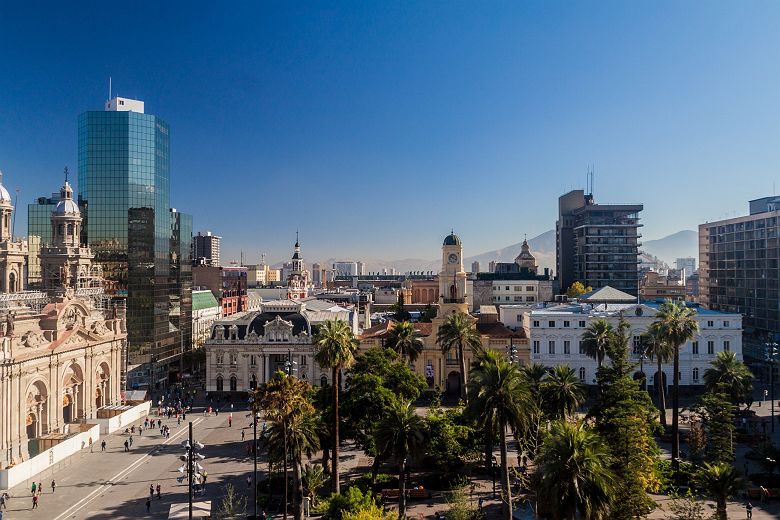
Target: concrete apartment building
(739,268)
(205,249)
(657,286)
(228,284)
(597,244)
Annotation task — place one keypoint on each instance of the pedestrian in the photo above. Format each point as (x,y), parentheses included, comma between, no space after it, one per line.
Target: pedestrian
(158,491)
(40,487)
(34,487)
(35,501)
(148,506)
(749,509)
(242,434)
(102,445)
(131,441)
(217,414)
(53,485)
(230,422)
(248,481)
(151,491)
(3,505)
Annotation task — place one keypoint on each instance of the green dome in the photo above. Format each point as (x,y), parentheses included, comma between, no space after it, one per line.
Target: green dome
(452,240)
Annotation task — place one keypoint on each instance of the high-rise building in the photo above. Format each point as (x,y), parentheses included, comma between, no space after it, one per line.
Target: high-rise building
(597,244)
(475,266)
(687,263)
(205,249)
(141,244)
(739,261)
(38,235)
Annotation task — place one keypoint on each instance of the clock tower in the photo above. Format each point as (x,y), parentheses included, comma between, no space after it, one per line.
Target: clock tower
(452,277)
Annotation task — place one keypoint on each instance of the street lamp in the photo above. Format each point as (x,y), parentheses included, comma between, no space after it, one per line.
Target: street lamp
(254,448)
(290,366)
(642,357)
(512,349)
(190,446)
(771,349)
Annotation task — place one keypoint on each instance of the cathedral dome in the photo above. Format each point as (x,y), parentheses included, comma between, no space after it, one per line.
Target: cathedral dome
(66,206)
(452,240)
(5,197)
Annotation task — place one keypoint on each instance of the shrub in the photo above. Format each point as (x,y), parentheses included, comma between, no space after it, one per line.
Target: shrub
(352,501)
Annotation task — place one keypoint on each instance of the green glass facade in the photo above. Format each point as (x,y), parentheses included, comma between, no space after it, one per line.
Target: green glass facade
(124,192)
(38,234)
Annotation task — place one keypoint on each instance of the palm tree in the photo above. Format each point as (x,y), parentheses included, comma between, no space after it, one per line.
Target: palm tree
(573,473)
(335,346)
(405,340)
(285,401)
(562,392)
(302,439)
(595,340)
(459,330)
(400,434)
(676,325)
(729,375)
(313,477)
(719,482)
(663,352)
(500,398)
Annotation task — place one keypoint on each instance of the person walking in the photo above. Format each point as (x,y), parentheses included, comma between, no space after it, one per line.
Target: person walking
(127,447)
(3,505)
(158,491)
(230,422)
(40,488)
(749,510)
(248,482)
(242,435)
(102,445)
(35,501)
(148,506)
(34,487)
(131,441)
(53,486)
(151,491)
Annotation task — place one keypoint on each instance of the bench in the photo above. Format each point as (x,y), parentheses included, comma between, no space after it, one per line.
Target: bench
(421,494)
(390,494)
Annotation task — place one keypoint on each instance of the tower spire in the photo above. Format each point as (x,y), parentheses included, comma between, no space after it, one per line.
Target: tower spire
(66,174)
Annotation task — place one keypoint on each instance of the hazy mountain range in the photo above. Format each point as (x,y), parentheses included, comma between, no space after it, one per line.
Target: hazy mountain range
(681,244)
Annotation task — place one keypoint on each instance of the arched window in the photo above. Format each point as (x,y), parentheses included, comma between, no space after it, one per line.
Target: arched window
(220,358)
(12,283)
(582,374)
(253,382)
(233,383)
(323,381)
(252,360)
(696,374)
(219,383)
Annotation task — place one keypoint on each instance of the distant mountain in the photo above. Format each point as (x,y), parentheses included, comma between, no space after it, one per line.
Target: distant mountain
(542,247)
(677,245)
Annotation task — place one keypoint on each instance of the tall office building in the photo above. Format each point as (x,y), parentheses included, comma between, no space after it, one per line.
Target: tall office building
(38,235)
(597,244)
(143,245)
(205,249)
(475,266)
(739,268)
(687,263)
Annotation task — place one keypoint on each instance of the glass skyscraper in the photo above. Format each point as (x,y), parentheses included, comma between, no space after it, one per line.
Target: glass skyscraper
(38,234)
(124,192)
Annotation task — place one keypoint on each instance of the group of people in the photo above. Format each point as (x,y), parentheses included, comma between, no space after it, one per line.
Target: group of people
(36,490)
(152,490)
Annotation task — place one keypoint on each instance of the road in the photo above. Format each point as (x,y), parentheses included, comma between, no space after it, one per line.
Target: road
(114,484)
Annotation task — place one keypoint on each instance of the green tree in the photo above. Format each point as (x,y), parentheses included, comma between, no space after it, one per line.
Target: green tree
(662,351)
(686,507)
(401,434)
(573,473)
(377,377)
(452,438)
(399,309)
(595,340)
(458,332)
(405,340)
(562,392)
(428,313)
(370,512)
(500,400)
(625,418)
(232,505)
(313,478)
(577,289)
(719,482)
(730,376)
(335,346)
(717,416)
(534,374)
(676,324)
(286,401)
(352,501)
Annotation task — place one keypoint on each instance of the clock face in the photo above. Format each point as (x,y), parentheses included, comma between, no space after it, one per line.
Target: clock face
(453,258)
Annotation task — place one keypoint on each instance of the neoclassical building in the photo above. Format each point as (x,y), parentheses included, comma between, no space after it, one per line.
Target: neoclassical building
(246,349)
(441,369)
(60,350)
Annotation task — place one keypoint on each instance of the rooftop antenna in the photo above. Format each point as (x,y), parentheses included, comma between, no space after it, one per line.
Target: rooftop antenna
(109,88)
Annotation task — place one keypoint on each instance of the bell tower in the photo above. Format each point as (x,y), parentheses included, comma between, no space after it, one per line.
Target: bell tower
(13,254)
(64,262)
(452,277)
(298,281)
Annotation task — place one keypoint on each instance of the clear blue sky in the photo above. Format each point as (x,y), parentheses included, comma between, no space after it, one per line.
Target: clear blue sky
(375,127)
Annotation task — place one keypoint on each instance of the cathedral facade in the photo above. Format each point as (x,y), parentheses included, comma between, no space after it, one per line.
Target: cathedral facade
(60,349)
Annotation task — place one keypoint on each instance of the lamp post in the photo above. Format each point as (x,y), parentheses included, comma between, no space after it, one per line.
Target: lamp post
(254,451)
(642,356)
(189,471)
(512,350)
(290,366)
(771,348)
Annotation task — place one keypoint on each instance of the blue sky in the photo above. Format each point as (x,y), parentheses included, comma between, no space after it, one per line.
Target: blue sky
(375,127)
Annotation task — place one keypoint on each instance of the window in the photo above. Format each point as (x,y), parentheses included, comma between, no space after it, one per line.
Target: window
(536,323)
(519,317)
(551,347)
(567,347)
(637,344)
(695,374)
(551,323)
(220,358)
(582,349)
(529,288)
(252,360)
(517,288)
(303,361)
(507,287)
(710,347)
(726,346)
(695,348)
(233,384)
(726,324)
(233,359)
(220,384)
(582,374)
(566,323)
(582,323)
(507,298)
(710,323)
(530,298)
(536,347)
